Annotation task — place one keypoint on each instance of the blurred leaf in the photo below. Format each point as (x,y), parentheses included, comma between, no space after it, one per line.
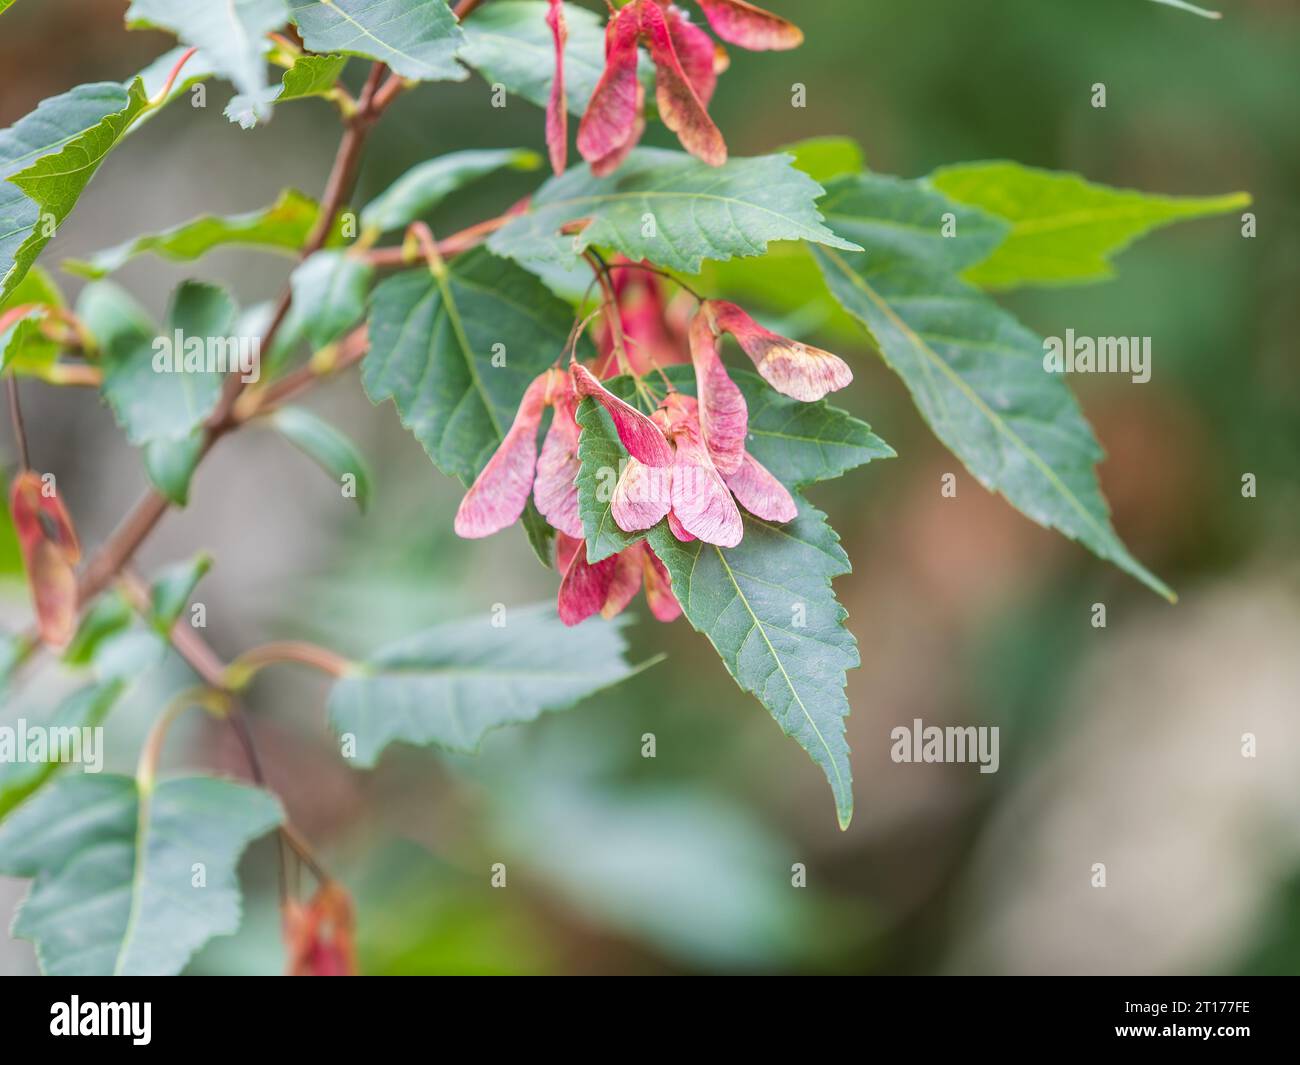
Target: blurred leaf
(416,38)
(826,158)
(107,616)
(113,642)
(510,44)
(36,287)
(427,184)
(11,556)
(767,607)
(975,373)
(326,446)
(310,75)
(24,334)
(692,875)
(171,591)
(14,648)
(231,35)
(130,654)
(425,915)
(153,406)
(329,294)
(46,161)
(451,685)
(671,209)
(85,709)
(434,347)
(112,867)
(170,465)
(23,347)
(1063,229)
(287,345)
(283,226)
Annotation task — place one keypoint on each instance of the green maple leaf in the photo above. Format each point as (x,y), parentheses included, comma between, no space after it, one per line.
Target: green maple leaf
(46,161)
(417,38)
(113,864)
(455,352)
(1063,229)
(975,373)
(669,208)
(451,685)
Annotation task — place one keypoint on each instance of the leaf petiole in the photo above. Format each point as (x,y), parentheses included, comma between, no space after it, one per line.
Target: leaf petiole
(240,673)
(214,702)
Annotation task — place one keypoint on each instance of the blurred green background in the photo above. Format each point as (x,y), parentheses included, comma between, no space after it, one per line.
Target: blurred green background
(1120,745)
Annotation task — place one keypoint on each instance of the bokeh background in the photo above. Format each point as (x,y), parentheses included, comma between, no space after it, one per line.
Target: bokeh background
(1120,745)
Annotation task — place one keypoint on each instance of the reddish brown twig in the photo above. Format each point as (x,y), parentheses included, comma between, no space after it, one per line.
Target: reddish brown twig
(141,520)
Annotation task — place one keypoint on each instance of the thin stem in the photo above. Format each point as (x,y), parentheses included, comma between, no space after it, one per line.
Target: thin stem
(457,243)
(204,661)
(285,45)
(20,430)
(15,314)
(579,327)
(239,724)
(656,270)
(77,375)
(188,643)
(246,666)
(149,510)
(299,845)
(171,78)
(422,236)
(388,91)
(614,316)
(147,767)
(350,350)
(610,305)
(465,8)
(122,545)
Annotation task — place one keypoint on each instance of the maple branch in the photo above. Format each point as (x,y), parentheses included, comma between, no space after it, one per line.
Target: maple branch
(461,241)
(348,351)
(141,520)
(115,554)
(395,84)
(205,662)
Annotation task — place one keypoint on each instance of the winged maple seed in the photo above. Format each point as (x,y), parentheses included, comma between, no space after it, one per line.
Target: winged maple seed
(687,461)
(50,550)
(608,586)
(557,107)
(687,63)
(653,325)
(318,935)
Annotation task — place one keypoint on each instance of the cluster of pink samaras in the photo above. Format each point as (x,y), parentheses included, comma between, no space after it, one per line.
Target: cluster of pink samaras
(687,461)
(687,62)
